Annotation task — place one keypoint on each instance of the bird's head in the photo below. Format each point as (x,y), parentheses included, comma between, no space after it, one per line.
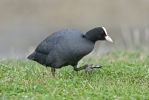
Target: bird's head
(98,33)
(104,35)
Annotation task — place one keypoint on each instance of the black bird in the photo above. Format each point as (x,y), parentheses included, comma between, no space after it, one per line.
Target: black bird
(67,47)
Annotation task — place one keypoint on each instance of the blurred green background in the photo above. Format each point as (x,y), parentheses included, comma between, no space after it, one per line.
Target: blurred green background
(25,23)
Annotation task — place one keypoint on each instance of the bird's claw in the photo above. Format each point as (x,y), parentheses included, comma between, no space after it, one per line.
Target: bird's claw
(91,67)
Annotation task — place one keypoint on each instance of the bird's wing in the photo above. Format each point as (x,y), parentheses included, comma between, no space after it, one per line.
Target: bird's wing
(47,45)
(58,40)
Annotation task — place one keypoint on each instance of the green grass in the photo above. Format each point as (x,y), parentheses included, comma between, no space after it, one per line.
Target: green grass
(124,76)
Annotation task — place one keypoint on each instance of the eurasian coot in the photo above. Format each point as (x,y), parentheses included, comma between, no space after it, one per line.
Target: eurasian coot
(68,47)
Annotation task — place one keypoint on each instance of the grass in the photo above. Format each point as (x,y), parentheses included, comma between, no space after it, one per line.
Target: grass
(124,76)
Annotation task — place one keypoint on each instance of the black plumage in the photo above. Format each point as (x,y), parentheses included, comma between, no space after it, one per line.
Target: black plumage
(67,47)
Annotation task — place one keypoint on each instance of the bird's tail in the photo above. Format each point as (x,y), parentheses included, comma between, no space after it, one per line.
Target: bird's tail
(40,58)
(31,56)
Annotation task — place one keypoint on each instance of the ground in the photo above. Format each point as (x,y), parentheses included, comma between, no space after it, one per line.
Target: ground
(124,76)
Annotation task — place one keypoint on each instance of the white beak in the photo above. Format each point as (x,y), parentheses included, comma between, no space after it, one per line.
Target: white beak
(108,38)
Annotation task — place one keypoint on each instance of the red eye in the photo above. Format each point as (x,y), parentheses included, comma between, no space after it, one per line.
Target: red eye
(103,32)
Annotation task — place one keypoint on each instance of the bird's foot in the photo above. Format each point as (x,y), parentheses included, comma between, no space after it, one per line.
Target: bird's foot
(91,67)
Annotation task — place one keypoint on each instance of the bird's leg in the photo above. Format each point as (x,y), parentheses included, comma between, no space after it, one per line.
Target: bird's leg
(80,68)
(53,71)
